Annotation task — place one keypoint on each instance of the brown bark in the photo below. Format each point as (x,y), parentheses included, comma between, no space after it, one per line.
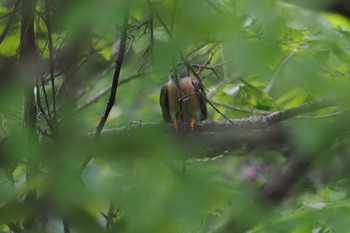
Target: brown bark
(28,54)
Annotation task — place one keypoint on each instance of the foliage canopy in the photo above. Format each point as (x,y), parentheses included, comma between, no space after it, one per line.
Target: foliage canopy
(57,63)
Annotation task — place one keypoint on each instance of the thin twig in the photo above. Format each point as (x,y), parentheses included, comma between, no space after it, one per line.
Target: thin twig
(187,63)
(303,108)
(8,25)
(250,85)
(37,24)
(173,14)
(149,50)
(108,89)
(116,75)
(206,66)
(183,98)
(200,47)
(172,39)
(217,110)
(28,50)
(78,60)
(109,217)
(82,61)
(151,33)
(215,88)
(223,59)
(46,99)
(208,63)
(100,76)
(145,26)
(212,68)
(247,99)
(239,109)
(47,22)
(119,63)
(145,56)
(41,109)
(324,116)
(52,65)
(103,215)
(277,72)
(5,15)
(203,67)
(213,6)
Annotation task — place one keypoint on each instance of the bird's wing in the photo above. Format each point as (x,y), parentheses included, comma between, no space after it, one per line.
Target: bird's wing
(199,87)
(203,104)
(164,103)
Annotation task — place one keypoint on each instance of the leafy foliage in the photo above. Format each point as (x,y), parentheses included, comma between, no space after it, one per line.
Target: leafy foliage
(254,57)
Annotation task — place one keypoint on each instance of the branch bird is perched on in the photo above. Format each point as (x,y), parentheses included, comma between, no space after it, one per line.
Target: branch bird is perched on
(182,100)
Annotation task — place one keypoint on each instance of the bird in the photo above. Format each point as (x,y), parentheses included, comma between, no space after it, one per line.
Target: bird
(182,100)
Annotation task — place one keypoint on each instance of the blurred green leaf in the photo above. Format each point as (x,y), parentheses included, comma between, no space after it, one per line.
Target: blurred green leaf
(269,55)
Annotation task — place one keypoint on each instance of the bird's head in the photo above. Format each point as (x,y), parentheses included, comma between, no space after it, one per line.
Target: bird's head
(180,72)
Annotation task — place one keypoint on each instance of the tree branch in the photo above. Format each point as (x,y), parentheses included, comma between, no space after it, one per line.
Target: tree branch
(239,109)
(249,123)
(118,67)
(116,75)
(28,53)
(109,217)
(277,189)
(106,90)
(8,25)
(249,129)
(52,65)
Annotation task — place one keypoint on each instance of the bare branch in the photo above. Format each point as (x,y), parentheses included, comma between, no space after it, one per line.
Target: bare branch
(174,42)
(239,109)
(114,87)
(40,107)
(109,217)
(215,43)
(247,99)
(28,51)
(108,89)
(208,62)
(186,62)
(251,123)
(118,67)
(224,82)
(216,109)
(52,65)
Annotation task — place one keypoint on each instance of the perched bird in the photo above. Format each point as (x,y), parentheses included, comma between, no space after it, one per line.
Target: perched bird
(182,100)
